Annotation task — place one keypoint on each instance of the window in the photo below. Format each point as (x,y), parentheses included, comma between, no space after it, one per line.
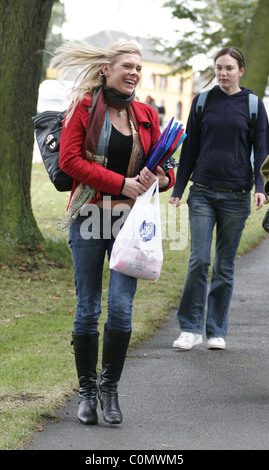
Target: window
(179,111)
(152,81)
(163,82)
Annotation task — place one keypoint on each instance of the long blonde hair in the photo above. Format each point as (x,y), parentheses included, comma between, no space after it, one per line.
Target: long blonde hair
(88,60)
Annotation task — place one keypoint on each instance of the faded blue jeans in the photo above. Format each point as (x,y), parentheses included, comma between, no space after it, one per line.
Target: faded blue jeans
(227,211)
(91,238)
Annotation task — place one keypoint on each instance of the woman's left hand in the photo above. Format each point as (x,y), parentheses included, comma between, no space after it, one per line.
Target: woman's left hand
(147,177)
(259,200)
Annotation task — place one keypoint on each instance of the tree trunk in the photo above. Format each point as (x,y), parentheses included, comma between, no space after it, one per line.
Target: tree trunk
(256,51)
(23,26)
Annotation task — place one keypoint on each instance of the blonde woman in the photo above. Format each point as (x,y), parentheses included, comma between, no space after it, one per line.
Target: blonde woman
(104,142)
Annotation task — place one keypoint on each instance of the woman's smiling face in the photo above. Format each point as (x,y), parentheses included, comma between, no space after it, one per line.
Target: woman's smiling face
(125,74)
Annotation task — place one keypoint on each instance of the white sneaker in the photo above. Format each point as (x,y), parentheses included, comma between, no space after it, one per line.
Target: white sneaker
(216,343)
(188,340)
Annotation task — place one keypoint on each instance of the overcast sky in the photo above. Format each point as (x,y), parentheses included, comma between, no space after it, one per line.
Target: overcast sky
(140,17)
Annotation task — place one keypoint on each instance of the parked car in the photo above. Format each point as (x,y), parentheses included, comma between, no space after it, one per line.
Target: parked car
(52,96)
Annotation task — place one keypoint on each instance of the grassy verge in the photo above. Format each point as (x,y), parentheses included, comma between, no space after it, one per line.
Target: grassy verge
(38,302)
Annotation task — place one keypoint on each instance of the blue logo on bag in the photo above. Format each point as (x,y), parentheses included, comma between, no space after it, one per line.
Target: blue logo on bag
(147,231)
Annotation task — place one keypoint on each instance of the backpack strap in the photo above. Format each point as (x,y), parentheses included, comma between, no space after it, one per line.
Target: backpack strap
(201,103)
(253,114)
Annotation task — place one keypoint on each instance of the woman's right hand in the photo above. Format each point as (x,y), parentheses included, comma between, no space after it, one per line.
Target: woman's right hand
(133,188)
(175,201)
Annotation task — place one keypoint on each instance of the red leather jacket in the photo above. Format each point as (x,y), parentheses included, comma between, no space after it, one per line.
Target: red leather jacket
(73,149)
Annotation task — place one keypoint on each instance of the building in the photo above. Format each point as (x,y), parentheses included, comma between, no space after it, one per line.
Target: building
(172,91)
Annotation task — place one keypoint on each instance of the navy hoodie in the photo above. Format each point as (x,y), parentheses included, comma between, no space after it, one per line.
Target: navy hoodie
(218,155)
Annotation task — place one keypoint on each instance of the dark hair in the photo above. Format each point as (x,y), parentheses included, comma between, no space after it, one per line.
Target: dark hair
(233,52)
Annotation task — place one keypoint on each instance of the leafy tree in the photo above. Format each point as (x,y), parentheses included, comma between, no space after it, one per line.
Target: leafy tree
(210,24)
(217,23)
(256,50)
(23,26)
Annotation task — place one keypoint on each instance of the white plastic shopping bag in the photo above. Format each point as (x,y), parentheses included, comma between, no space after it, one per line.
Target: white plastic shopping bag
(137,250)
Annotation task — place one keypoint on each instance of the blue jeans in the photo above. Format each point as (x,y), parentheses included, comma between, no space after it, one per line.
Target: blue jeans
(90,238)
(228,211)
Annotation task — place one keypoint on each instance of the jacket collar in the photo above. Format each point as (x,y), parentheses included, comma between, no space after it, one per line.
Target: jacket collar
(140,112)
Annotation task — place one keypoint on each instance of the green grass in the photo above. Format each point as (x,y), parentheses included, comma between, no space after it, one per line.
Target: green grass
(38,304)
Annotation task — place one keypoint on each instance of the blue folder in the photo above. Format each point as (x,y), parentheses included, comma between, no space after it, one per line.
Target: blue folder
(164,144)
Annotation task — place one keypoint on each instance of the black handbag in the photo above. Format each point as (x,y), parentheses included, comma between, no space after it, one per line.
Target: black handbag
(48,127)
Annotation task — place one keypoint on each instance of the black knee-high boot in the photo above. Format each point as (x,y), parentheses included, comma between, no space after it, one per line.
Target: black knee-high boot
(86,356)
(115,347)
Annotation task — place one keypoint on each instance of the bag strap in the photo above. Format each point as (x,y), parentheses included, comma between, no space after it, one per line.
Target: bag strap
(153,190)
(253,114)
(201,103)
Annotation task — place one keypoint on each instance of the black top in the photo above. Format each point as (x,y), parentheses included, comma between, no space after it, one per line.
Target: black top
(218,155)
(119,153)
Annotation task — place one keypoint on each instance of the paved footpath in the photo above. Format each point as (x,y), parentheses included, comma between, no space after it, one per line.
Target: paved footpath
(200,399)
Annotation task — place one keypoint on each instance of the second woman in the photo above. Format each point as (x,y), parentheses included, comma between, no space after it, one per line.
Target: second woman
(216,157)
